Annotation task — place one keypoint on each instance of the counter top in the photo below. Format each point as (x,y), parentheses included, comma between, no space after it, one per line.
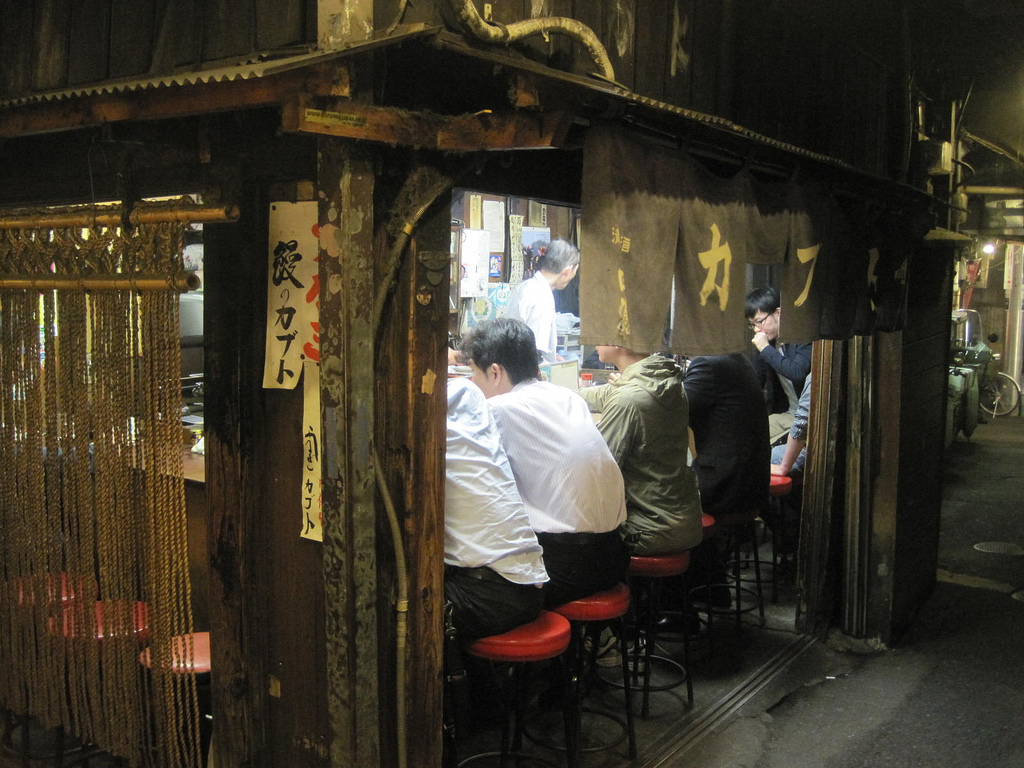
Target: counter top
(195,466)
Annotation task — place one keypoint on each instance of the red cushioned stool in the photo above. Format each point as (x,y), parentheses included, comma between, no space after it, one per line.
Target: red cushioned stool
(588,616)
(544,638)
(646,575)
(778,488)
(190,654)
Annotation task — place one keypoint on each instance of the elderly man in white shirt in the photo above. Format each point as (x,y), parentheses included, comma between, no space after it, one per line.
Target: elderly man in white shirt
(570,484)
(494,566)
(533,300)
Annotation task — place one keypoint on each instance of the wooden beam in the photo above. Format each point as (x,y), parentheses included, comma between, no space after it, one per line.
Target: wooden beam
(515,130)
(171,101)
(423,130)
(353,120)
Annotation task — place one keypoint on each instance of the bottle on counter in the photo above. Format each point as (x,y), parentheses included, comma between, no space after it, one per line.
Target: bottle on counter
(586,380)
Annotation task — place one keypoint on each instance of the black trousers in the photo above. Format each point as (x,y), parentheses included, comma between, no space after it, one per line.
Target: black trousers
(485,603)
(580,564)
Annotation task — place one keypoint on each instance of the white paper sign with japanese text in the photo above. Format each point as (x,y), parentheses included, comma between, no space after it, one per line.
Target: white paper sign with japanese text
(293,293)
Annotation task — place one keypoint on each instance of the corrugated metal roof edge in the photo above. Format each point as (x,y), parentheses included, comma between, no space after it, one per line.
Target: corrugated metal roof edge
(248,67)
(458,44)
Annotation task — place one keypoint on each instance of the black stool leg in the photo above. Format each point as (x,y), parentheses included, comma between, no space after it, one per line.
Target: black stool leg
(620,634)
(752,527)
(734,551)
(650,621)
(775,565)
(687,612)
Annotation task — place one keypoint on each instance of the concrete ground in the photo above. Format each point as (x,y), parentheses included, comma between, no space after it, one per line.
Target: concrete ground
(952,693)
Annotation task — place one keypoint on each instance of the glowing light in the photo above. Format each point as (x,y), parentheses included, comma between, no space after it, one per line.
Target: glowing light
(989,248)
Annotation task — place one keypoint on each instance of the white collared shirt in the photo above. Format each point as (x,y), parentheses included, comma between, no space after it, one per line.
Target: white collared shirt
(533,302)
(485,522)
(566,475)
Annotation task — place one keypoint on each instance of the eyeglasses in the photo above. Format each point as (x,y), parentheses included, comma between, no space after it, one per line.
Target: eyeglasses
(757,322)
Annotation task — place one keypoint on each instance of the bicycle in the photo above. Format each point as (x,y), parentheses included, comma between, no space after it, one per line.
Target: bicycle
(999,395)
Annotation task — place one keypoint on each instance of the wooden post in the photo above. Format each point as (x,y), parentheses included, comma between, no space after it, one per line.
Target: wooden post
(412,376)
(235,271)
(346,184)
(820,520)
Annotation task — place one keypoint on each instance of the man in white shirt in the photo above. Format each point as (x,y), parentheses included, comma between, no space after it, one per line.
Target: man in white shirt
(569,482)
(533,300)
(494,566)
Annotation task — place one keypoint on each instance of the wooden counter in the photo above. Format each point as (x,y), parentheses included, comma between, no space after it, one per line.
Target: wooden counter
(195,466)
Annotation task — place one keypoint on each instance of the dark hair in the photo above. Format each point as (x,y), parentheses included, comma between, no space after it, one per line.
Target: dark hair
(509,343)
(762,300)
(558,255)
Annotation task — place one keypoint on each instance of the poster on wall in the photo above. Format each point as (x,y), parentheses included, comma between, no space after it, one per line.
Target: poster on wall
(311,497)
(474,256)
(293,293)
(533,239)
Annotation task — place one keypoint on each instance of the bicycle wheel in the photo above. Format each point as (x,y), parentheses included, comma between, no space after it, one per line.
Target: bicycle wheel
(1000,396)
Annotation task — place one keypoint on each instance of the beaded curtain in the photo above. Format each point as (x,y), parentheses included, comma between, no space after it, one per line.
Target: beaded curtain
(93,545)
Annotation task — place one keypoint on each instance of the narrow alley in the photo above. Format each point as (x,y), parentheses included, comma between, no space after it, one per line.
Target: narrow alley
(952,692)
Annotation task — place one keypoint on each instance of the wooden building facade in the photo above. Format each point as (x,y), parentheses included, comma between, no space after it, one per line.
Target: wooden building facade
(376,109)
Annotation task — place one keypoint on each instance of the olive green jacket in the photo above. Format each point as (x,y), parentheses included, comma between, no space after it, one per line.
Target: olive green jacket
(644,419)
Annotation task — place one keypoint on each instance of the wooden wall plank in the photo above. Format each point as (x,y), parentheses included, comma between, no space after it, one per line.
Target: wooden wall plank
(280,24)
(15,60)
(620,40)
(590,13)
(132,37)
(385,13)
(52,21)
(706,29)
(178,35)
(298,729)
(678,71)
(227,28)
(911,511)
(89,41)
(752,66)
(560,48)
(653,28)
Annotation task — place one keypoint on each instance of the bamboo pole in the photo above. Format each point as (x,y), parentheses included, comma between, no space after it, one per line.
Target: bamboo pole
(84,218)
(187,282)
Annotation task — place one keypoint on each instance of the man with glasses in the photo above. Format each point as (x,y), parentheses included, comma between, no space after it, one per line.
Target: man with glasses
(782,368)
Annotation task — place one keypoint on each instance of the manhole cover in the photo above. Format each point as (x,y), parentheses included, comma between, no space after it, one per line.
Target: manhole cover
(1000,547)
(1018,595)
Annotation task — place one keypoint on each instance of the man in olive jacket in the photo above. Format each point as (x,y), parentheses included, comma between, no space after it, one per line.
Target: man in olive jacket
(643,419)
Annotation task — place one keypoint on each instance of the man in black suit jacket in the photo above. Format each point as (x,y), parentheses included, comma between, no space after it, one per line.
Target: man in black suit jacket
(729,420)
(730,433)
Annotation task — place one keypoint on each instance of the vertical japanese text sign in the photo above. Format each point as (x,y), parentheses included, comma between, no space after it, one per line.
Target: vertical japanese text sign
(312,480)
(293,293)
